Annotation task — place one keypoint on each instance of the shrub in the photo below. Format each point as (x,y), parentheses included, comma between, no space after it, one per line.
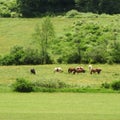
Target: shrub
(50,84)
(20,56)
(22,85)
(8,7)
(116,85)
(105,85)
(72,13)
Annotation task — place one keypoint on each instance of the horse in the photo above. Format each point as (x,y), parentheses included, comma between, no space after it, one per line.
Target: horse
(76,70)
(71,70)
(32,71)
(58,69)
(94,70)
(97,70)
(79,70)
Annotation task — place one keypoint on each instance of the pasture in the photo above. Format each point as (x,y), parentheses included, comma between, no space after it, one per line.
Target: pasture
(59,106)
(8,74)
(50,106)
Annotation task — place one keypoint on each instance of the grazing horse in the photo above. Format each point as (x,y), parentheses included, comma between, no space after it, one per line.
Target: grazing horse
(58,69)
(76,70)
(79,70)
(32,71)
(94,70)
(71,70)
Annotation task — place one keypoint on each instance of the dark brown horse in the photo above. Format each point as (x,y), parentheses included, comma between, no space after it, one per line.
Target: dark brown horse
(80,70)
(94,70)
(97,70)
(71,70)
(76,70)
(32,71)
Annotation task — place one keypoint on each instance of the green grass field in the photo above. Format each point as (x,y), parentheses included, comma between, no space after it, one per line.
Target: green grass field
(8,74)
(59,106)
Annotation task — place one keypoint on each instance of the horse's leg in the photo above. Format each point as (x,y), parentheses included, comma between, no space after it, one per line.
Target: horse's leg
(74,72)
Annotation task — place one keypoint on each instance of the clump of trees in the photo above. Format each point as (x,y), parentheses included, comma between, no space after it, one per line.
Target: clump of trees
(43,38)
(9,8)
(88,42)
(24,56)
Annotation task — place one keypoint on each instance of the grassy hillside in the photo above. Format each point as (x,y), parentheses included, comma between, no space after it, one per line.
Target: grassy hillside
(18,31)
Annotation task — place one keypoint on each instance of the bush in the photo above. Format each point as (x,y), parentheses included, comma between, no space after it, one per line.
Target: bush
(72,13)
(22,85)
(50,84)
(8,7)
(105,85)
(20,56)
(116,85)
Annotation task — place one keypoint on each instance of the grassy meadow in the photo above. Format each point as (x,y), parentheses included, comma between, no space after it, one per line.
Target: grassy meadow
(59,106)
(19,31)
(8,74)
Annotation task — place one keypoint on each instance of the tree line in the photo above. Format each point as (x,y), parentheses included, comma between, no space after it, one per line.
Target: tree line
(33,8)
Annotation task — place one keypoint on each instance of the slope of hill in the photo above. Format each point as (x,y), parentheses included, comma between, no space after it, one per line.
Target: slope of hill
(19,31)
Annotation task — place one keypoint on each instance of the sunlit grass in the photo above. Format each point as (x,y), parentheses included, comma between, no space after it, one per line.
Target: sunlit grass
(59,106)
(8,74)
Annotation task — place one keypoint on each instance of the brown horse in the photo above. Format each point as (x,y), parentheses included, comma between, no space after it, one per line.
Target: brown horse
(80,70)
(94,70)
(97,70)
(71,70)
(76,70)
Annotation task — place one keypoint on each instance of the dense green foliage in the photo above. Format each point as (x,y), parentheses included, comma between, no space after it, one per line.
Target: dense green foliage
(21,56)
(32,8)
(9,8)
(82,42)
(116,85)
(22,85)
(88,42)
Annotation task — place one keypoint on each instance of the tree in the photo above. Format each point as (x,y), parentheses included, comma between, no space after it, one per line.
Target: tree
(44,36)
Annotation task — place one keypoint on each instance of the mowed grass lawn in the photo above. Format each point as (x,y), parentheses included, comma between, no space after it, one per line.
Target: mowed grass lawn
(59,106)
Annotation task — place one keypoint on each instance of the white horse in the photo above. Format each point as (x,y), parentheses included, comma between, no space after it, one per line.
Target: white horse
(58,69)
(90,67)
